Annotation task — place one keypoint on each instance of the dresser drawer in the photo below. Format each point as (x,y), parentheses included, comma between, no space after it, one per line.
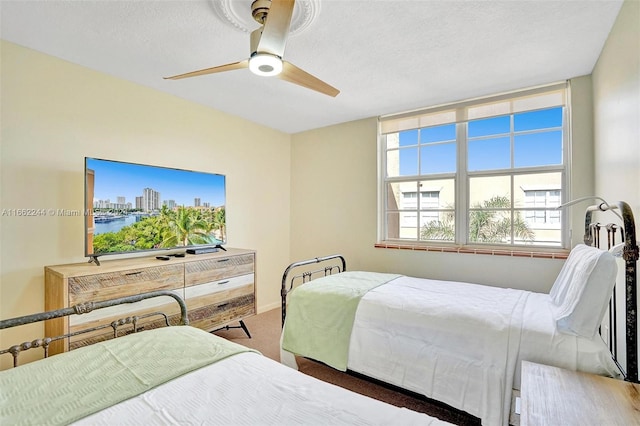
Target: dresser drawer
(213,316)
(214,269)
(217,303)
(111,285)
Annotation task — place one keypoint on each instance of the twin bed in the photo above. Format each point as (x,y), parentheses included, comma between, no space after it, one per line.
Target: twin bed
(461,343)
(458,343)
(174,375)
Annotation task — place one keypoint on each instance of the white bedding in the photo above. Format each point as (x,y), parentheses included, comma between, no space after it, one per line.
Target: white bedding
(462,343)
(250,389)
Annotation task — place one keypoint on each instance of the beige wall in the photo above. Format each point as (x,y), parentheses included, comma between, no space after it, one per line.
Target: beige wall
(616,100)
(55,113)
(616,105)
(334,203)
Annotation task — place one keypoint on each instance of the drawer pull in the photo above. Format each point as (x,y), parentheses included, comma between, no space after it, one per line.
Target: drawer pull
(223,282)
(223,260)
(222,305)
(134,273)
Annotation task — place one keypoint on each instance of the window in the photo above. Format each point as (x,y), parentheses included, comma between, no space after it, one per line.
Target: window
(490,171)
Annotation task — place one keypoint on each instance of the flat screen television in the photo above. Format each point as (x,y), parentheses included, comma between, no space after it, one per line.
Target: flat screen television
(138,207)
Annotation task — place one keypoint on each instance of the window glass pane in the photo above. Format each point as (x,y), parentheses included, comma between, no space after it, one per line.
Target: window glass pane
(402,162)
(392,140)
(393,225)
(408,161)
(409,137)
(402,225)
(539,194)
(438,133)
(393,163)
(545,226)
(408,220)
(489,126)
(538,149)
(489,154)
(537,190)
(438,158)
(438,194)
(490,226)
(437,204)
(402,195)
(490,192)
(543,119)
(437,226)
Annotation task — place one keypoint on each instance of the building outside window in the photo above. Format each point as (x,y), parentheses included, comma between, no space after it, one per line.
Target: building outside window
(489,171)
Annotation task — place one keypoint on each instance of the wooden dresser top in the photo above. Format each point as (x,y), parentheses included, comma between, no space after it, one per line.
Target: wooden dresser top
(79,269)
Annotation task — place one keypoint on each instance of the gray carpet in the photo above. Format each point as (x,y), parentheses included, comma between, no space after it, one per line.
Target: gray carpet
(265,337)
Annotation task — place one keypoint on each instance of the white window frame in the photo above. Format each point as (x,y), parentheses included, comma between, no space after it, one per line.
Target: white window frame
(424,118)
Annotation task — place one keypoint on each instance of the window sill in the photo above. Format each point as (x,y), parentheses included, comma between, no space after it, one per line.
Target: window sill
(560,254)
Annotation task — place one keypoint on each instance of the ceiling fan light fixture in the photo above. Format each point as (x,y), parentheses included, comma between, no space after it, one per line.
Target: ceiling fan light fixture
(265,64)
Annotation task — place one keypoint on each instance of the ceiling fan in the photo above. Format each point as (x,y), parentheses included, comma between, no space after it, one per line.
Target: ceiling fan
(267,49)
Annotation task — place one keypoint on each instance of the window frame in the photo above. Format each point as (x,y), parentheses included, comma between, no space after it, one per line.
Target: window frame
(462,176)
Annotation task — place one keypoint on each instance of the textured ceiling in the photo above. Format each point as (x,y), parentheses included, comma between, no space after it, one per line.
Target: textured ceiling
(384,56)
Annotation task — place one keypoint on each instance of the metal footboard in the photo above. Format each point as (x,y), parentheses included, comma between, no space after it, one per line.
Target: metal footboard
(630,254)
(84,308)
(334,263)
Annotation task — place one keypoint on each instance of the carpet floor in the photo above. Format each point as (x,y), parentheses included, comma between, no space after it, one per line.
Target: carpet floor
(265,337)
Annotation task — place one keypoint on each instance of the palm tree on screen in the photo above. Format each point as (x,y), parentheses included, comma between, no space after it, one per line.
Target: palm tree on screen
(185,227)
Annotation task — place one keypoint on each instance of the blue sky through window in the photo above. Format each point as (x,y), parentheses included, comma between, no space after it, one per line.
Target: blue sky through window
(489,126)
(440,158)
(533,147)
(545,119)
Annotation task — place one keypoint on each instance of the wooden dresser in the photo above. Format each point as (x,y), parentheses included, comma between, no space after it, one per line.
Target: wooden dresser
(554,396)
(218,288)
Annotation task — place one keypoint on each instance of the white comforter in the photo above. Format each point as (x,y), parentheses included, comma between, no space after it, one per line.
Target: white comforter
(462,343)
(250,389)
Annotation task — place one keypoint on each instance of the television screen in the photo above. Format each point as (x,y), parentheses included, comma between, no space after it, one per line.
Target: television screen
(136,207)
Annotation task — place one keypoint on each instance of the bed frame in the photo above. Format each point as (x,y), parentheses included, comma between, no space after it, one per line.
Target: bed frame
(630,255)
(300,272)
(332,266)
(119,326)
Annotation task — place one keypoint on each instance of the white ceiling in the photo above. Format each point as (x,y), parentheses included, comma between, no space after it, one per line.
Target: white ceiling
(385,56)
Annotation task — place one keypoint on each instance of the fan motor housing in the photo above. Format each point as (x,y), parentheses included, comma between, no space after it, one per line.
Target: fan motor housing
(260,10)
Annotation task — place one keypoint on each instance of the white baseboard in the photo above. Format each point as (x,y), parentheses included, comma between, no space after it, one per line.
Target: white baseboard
(265,308)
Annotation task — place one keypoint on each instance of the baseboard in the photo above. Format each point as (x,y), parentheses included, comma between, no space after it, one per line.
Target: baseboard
(265,308)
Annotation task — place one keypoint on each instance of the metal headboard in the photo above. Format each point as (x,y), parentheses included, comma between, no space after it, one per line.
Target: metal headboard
(630,254)
(84,308)
(336,264)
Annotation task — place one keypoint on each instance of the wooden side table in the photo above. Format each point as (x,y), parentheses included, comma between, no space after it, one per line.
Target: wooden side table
(555,396)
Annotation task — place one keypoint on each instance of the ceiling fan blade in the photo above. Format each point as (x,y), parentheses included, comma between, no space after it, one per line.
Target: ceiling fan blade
(295,75)
(221,68)
(276,27)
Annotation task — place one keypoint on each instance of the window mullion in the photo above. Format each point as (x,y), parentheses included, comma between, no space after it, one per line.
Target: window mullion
(462,196)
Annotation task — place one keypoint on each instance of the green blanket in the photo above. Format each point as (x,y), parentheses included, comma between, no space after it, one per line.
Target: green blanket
(67,387)
(320,315)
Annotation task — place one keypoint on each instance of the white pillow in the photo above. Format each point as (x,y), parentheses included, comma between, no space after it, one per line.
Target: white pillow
(582,290)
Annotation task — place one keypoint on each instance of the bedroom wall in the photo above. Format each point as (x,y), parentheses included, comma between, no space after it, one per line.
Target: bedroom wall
(616,99)
(334,203)
(616,104)
(55,113)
